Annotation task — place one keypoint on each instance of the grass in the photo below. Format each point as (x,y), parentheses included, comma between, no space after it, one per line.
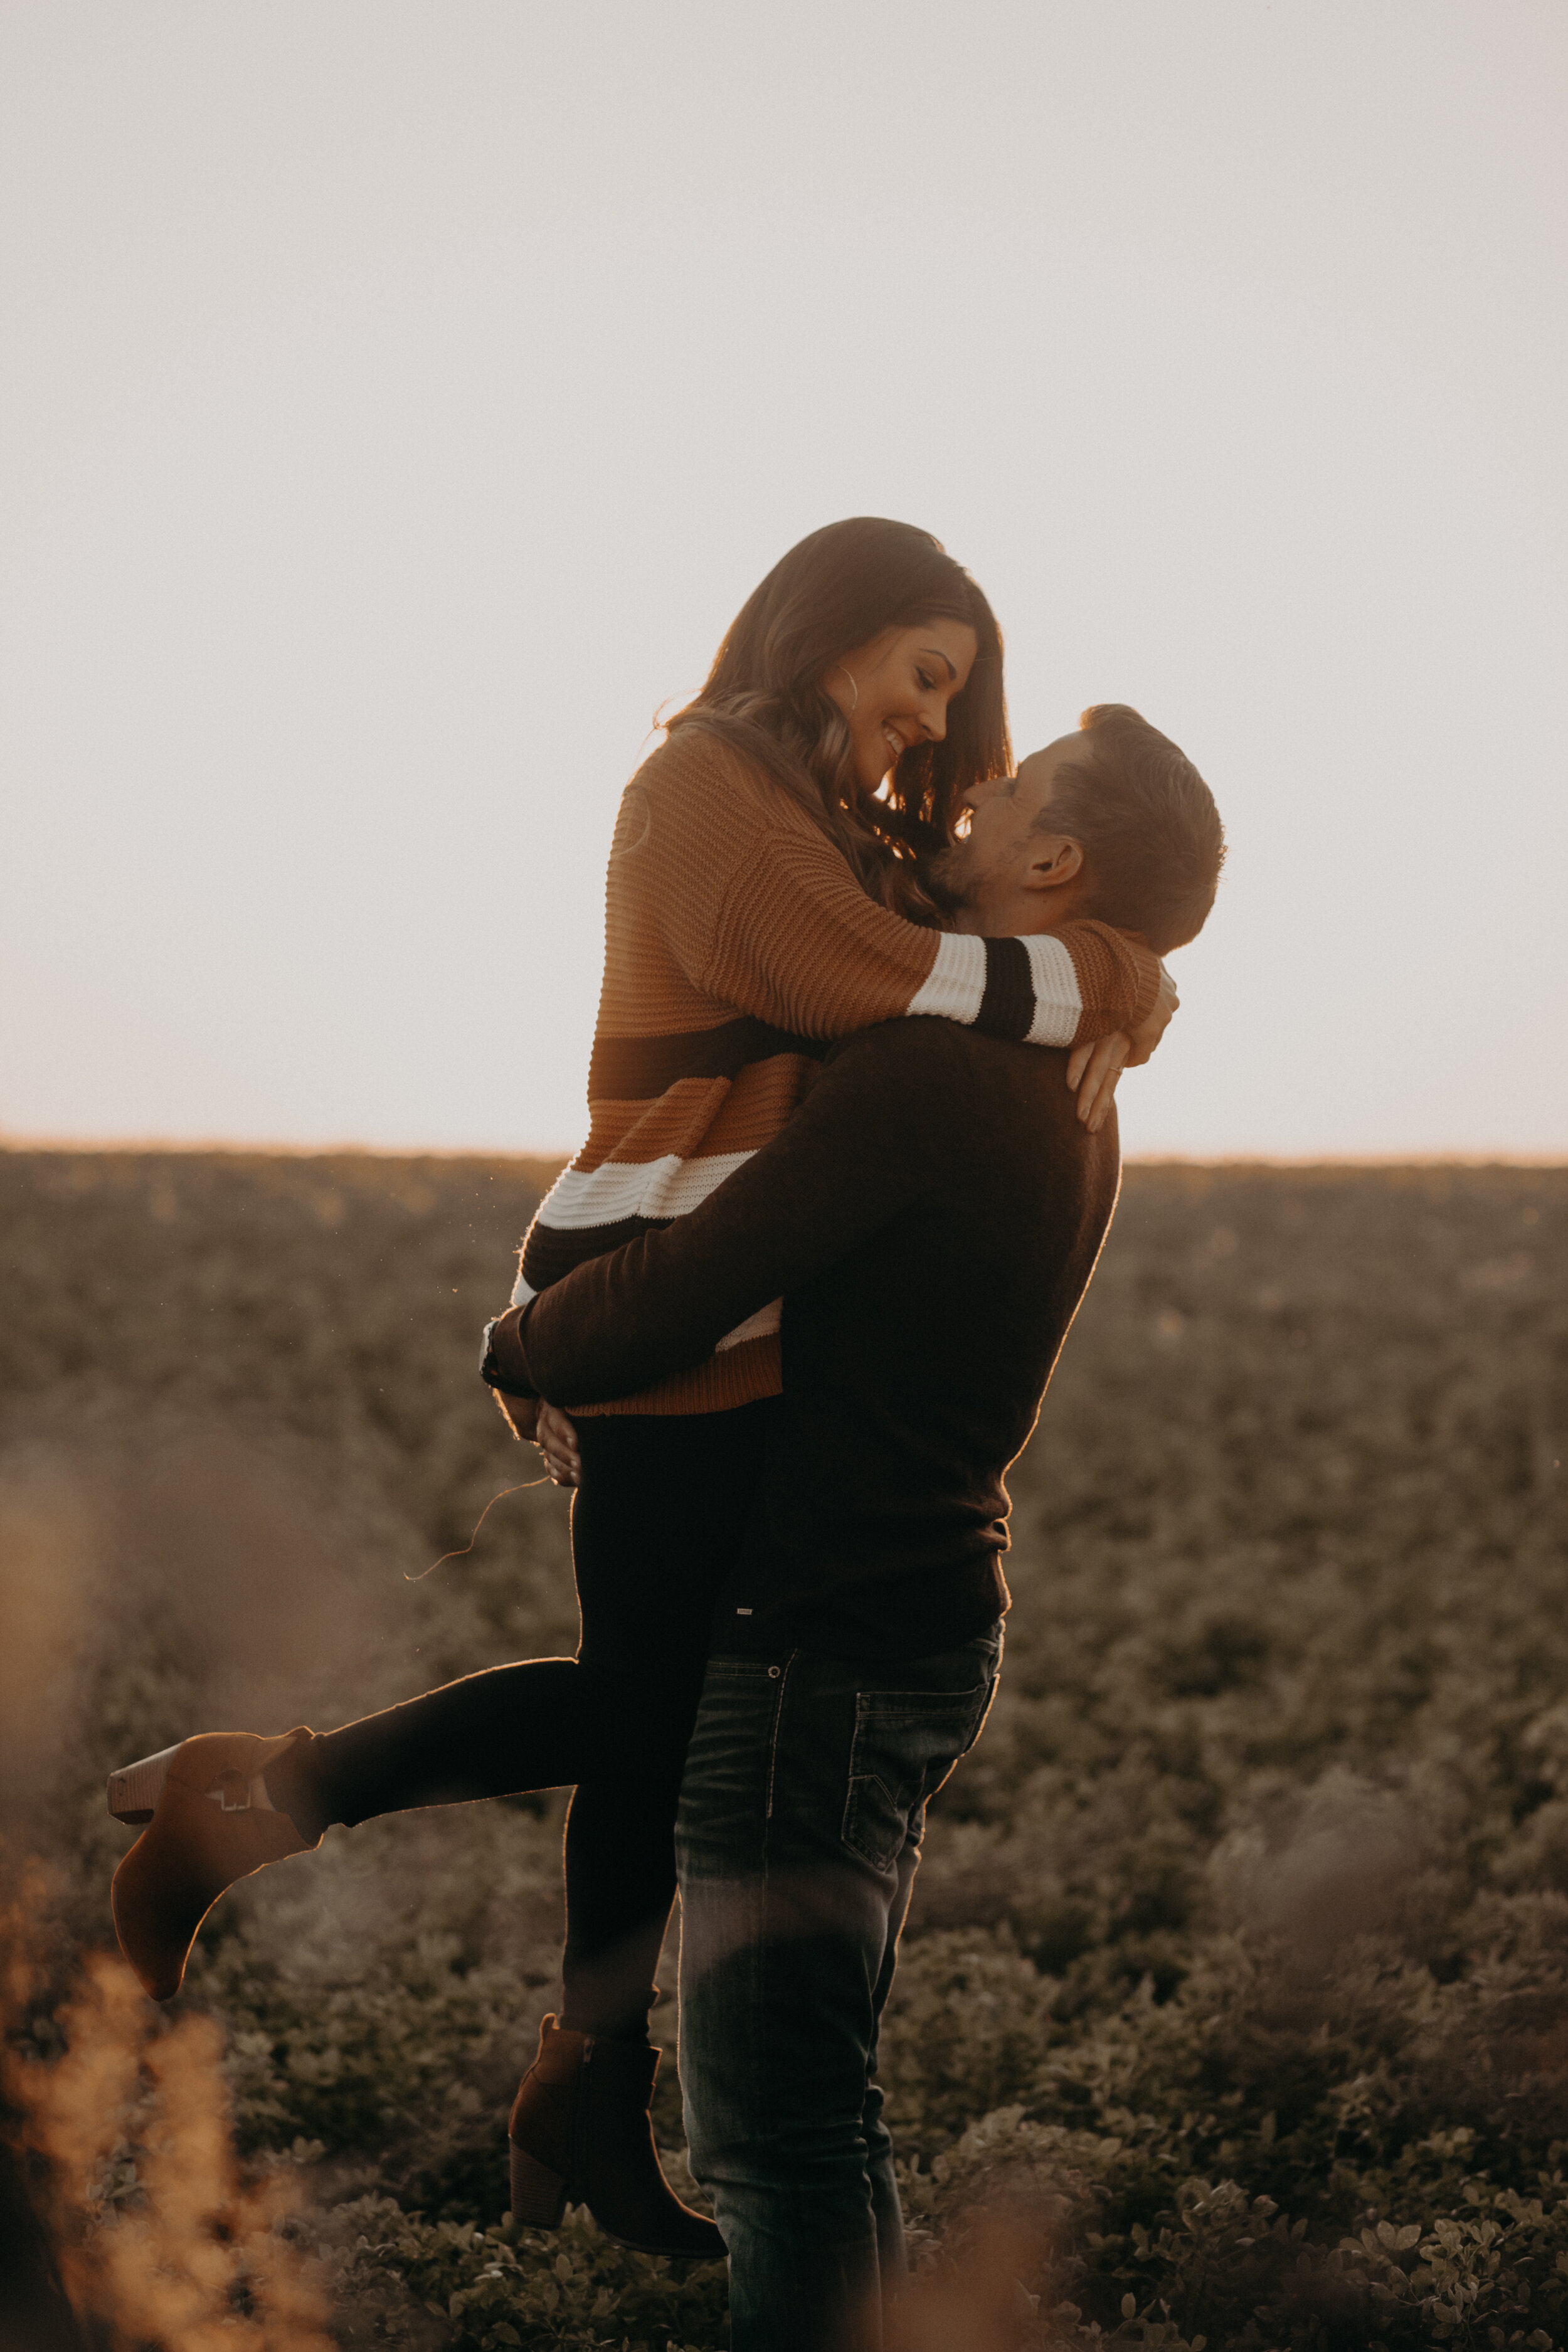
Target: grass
(1234,2002)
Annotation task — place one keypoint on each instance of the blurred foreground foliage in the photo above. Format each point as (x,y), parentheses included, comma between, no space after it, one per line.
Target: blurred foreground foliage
(1233,2007)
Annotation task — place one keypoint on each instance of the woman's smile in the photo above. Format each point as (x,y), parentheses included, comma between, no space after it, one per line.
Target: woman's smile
(894,692)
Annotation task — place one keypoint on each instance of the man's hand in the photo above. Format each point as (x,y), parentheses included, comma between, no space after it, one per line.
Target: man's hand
(546,1427)
(521,1413)
(557,1441)
(1093,1070)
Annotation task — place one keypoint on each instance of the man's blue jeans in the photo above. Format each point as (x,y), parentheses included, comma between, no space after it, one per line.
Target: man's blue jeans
(801,1815)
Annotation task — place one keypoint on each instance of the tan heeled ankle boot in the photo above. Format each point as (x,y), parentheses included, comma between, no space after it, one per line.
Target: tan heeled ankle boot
(580,2128)
(206,1831)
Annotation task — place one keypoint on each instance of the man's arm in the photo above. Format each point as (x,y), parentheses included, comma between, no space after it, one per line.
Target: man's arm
(869,1138)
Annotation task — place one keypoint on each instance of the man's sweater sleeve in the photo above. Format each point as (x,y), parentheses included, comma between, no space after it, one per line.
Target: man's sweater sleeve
(868,1137)
(760,911)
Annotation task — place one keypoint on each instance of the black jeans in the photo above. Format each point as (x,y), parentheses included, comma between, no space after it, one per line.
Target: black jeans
(799,1831)
(655,1526)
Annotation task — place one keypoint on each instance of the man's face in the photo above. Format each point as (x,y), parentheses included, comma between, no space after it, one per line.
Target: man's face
(987,867)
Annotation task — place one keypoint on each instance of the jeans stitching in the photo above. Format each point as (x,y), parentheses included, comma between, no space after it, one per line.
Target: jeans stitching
(867,1708)
(773,1737)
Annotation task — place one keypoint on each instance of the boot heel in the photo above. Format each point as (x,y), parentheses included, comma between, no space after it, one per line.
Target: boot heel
(135,1789)
(538,2195)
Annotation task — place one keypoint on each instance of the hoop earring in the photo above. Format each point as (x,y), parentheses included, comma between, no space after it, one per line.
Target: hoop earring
(853,687)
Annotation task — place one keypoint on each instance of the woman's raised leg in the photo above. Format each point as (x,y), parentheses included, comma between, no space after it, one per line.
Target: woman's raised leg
(225,1804)
(657,1526)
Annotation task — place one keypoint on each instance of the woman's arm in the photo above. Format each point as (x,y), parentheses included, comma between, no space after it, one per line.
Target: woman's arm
(1093,1069)
(760,911)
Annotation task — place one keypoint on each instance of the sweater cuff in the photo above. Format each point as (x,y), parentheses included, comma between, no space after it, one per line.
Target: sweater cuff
(503,1364)
(1147,964)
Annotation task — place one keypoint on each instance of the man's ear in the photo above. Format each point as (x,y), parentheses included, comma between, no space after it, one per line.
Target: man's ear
(1055,858)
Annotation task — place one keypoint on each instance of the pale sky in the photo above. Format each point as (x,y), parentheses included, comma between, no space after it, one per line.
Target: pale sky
(397,400)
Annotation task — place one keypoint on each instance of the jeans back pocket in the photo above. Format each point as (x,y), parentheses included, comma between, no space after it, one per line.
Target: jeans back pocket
(905,1745)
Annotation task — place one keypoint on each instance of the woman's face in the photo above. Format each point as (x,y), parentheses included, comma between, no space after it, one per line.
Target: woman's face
(894,691)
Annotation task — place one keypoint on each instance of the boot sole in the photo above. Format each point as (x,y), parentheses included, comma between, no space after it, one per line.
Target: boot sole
(135,1789)
(664,2253)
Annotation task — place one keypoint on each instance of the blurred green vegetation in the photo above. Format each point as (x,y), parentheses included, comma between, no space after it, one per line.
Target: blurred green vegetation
(1236,1984)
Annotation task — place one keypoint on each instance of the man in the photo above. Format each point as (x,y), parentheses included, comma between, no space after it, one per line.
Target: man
(931,1215)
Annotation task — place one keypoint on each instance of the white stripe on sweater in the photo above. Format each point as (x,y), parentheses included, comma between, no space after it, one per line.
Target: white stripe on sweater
(670,1187)
(1057,1004)
(956,981)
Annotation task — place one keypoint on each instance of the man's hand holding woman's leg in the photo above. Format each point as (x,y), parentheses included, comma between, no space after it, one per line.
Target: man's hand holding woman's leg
(546,1427)
(557,1441)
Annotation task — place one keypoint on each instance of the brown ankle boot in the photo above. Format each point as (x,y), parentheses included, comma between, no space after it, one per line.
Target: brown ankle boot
(204,1833)
(579,2130)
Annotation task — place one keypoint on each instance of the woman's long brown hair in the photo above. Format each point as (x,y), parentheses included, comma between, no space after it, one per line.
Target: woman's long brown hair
(835,590)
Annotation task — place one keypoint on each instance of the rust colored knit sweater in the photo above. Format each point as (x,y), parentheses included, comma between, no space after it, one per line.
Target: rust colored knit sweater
(738,944)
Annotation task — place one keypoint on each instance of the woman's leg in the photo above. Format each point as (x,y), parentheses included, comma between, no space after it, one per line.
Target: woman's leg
(493,1734)
(512,1729)
(656,1529)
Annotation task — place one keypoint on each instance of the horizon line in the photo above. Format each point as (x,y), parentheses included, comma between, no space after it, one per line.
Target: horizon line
(1243,1157)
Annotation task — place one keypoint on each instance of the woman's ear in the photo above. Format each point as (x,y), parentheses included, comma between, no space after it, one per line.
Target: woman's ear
(1054,860)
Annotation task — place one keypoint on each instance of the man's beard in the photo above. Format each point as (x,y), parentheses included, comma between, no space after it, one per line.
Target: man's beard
(944,877)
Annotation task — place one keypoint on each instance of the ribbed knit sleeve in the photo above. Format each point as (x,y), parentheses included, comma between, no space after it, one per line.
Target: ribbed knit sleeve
(1118,979)
(760,911)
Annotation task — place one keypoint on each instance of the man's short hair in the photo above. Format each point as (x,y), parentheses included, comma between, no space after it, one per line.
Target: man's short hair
(1152,841)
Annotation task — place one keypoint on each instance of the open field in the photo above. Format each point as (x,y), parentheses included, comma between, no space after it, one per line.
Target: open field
(1234,2004)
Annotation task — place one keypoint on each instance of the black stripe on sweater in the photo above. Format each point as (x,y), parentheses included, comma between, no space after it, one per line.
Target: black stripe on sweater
(1007,1007)
(640,1069)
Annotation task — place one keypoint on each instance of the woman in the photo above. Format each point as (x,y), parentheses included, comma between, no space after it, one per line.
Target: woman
(764,897)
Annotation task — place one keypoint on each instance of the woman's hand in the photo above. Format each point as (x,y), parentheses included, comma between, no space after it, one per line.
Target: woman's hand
(1155,1022)
(1093,1074)
(557,1441)
(1093,1070)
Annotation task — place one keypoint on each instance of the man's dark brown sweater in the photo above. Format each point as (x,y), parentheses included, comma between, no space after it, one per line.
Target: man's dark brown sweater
(931,1216)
